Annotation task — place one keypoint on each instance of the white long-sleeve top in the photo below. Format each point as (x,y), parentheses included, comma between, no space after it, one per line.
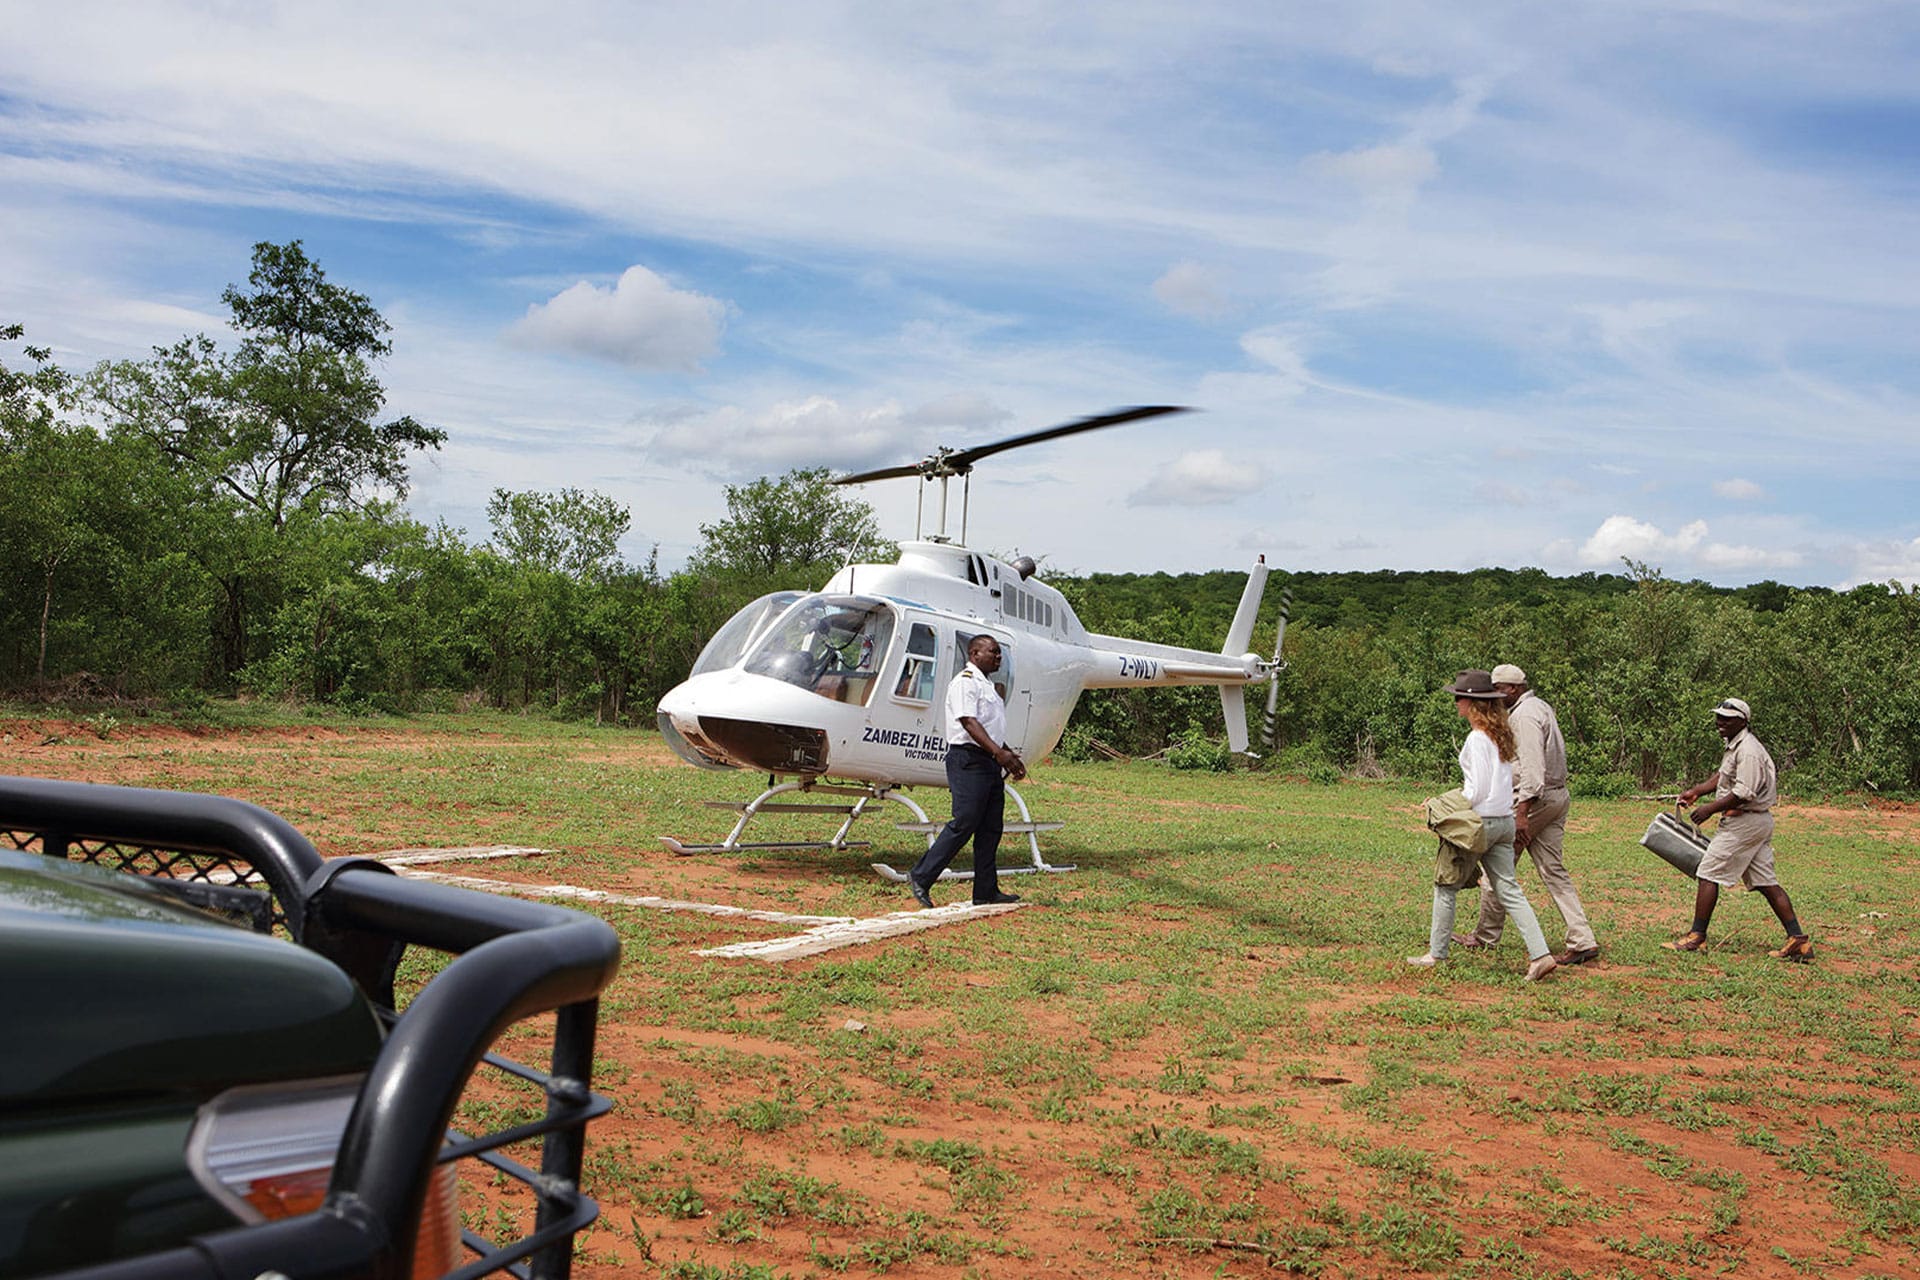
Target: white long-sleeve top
(1487,779)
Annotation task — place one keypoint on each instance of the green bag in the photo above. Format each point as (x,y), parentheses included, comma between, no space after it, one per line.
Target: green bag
(1463,838)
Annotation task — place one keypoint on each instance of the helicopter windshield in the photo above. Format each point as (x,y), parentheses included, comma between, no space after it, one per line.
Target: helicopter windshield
(730,642)
(831,645)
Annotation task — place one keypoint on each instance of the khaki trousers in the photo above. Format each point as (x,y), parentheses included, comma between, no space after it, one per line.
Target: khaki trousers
(1547,818)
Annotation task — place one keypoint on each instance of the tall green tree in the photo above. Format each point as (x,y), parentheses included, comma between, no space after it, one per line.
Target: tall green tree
(290,419)
(571,532)
(800,527)
(284,428)
(43,474)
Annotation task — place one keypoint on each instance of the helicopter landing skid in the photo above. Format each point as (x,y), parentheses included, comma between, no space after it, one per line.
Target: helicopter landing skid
(764,803)
(1025,827)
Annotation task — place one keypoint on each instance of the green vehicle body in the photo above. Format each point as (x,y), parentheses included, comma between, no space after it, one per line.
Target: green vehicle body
(126,1011)
(214,951)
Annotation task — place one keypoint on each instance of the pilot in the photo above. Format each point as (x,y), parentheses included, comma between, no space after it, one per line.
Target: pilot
(978,766)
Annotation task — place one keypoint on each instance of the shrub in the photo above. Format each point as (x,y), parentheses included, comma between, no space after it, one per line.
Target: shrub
(1193,751)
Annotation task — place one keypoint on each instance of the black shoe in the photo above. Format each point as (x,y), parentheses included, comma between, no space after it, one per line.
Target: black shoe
(920,892)
(996,900)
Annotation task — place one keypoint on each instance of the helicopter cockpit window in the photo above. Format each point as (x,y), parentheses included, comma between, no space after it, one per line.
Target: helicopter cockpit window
(732,641)
(831,645)
(917,673)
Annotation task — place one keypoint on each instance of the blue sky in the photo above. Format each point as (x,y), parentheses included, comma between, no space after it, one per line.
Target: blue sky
(1453,284)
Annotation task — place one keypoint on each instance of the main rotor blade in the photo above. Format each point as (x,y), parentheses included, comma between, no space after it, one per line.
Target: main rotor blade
(884,473)
(959,462)
(965,458)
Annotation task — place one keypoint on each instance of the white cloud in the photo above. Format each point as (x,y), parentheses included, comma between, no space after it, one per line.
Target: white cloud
(1738,490)
(816,432)
(1623,537)
(1885,562)
(1195,291)
(1279,350)
(1204,477)
(1392,172)
(1640,332)
(642,321)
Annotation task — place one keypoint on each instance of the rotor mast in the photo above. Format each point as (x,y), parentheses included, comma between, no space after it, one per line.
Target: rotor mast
(944,463)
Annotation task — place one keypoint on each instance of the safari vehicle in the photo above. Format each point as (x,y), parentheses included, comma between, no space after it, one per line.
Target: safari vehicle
(203,1073)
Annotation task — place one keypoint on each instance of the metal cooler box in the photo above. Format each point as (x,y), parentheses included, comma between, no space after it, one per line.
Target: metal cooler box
(1676,840)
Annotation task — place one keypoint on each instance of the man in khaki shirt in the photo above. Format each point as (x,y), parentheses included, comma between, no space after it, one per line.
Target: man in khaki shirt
(1539,817)
(1741,851)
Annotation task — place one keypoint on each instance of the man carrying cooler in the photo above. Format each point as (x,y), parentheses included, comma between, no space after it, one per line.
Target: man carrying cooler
(1741,851)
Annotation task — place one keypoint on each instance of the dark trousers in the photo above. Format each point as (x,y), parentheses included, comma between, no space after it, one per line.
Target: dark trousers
(979,798)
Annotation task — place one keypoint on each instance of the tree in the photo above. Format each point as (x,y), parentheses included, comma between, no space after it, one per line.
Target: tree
(43,471)
(798,527)
(288,420)
(32,396)
(284,428)
(570,532)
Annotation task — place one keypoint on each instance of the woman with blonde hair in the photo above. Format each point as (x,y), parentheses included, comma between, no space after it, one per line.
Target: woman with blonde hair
(1486,770)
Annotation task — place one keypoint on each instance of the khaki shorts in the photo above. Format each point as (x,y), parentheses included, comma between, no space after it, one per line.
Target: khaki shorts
(1741,852)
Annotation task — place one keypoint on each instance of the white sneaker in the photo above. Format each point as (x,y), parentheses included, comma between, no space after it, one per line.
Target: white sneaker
(1422,962)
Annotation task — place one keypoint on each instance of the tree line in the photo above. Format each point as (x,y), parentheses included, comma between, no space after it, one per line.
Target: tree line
(229,518)
(1633,664)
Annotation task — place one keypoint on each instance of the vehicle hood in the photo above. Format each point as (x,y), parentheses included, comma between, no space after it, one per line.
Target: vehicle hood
(114,989)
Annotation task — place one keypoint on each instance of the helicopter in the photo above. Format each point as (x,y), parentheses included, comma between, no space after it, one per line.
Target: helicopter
(840,691)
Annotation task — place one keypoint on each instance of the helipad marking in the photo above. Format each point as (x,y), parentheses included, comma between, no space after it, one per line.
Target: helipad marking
(823,933)
(626,900)
(417,857)
(853,933)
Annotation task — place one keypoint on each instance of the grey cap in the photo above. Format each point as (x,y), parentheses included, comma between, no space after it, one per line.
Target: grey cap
(1734,709)
(1507,673)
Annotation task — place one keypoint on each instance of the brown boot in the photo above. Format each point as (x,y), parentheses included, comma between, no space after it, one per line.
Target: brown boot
(1692,942)
(1799,950)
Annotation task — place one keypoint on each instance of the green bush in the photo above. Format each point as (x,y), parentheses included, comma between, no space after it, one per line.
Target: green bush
(1076,746)
(1194,751)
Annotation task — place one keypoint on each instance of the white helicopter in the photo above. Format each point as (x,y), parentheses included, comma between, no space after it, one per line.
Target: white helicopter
(848,683)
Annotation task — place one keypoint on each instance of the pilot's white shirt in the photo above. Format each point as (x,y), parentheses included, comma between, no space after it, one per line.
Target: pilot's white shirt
(972,694)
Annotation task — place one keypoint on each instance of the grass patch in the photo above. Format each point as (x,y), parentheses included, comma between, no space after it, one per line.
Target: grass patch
(1201,1051)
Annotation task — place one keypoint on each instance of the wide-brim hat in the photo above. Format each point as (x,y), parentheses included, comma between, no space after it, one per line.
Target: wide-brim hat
(1473,684)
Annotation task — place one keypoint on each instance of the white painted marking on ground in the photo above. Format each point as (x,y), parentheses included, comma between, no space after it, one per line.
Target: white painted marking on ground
(824,933)
(627,900)
(853,933)
(419,857)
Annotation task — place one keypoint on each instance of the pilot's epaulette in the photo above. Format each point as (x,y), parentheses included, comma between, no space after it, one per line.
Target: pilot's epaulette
(967,672)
